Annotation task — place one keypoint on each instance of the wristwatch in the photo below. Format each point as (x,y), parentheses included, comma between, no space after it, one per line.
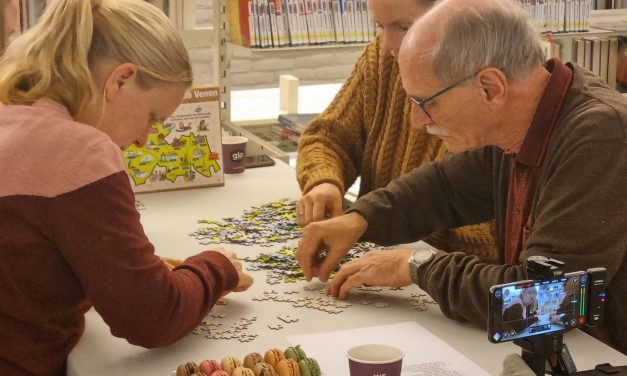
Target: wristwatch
(417,258)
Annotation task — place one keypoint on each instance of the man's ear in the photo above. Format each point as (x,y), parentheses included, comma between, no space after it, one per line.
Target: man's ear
(494,86)
(118,80)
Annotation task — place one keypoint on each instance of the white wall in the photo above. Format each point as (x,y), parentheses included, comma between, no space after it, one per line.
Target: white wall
(262,69)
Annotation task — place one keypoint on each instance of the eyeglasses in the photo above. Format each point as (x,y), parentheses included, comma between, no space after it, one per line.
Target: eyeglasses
(422,103)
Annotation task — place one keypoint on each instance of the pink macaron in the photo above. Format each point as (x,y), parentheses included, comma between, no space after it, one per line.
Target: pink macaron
(210,366)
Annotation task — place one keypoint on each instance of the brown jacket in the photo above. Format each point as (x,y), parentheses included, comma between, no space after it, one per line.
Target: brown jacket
(578,210)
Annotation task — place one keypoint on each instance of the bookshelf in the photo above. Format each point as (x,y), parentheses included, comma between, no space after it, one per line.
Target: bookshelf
(259,132)
(600,49)
(592,32)
(228,50)
(223,52)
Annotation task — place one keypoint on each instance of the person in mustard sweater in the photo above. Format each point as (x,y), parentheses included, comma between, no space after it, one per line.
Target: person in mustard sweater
(90,79)
(366,132)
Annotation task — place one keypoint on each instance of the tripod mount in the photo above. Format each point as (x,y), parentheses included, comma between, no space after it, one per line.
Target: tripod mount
(547,353)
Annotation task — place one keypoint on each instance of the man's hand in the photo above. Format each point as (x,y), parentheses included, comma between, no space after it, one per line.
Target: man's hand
(333,236)
(324,198)
(384,268)
(245,280)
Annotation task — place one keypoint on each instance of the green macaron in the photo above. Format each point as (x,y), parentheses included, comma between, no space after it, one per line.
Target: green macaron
(309,367)
(295,353)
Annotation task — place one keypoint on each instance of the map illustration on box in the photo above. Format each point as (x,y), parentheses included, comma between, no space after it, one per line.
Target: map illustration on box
(185,150)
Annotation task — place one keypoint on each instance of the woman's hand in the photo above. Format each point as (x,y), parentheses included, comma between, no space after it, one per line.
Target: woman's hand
(245,280)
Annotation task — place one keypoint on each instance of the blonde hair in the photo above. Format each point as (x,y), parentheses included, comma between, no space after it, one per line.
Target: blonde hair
(55,58)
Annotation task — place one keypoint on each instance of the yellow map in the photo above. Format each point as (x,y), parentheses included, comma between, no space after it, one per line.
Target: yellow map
(185,156)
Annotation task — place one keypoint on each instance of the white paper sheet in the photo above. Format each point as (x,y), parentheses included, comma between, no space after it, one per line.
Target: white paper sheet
(425,354)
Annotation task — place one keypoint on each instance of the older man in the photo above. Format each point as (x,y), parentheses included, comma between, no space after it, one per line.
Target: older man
(542,148)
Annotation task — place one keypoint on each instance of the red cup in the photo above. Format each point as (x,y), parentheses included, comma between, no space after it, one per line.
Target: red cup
(375,360)
(234,154)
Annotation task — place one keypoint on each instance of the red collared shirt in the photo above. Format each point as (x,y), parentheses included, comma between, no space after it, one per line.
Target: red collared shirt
(527,163)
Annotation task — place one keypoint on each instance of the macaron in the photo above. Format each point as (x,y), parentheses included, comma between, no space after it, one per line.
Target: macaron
(288,367)
(264,369)
(210,366)
(242,371)
(295,353)
(252,359)
(273,357)
(309,367)
(220,373)
(229,363)
(187,369)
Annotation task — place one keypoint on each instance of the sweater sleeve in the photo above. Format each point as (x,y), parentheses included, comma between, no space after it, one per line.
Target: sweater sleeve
(98,232)
(445,194)
(331,148)
(436,196)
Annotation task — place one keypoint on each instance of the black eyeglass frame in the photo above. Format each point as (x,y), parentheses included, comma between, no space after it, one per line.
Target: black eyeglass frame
(422,103)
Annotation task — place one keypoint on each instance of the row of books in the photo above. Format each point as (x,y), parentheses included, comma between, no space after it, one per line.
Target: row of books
(601,55)
(281,23)
(558,16)
(609,4)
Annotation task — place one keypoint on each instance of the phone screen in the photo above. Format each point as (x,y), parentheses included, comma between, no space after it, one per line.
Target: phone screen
(261,160)
(527,308)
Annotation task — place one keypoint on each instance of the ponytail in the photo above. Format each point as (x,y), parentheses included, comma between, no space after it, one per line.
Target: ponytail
(55,59)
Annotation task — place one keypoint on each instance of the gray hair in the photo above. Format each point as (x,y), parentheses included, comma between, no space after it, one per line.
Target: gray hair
(499,35)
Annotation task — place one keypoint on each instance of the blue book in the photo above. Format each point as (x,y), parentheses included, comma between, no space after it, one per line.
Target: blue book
(296,122)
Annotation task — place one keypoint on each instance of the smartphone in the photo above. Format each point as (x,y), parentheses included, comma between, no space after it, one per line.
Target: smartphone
(260,160)
(528,308)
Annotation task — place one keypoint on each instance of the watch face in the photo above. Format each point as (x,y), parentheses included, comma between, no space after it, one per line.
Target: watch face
(421,256)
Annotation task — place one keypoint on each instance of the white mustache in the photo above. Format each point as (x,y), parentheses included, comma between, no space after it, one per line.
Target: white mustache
(437,131)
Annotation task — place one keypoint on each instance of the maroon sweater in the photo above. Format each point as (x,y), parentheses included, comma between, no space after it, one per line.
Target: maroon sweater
(71,238)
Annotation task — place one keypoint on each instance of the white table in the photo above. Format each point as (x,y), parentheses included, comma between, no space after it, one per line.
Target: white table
(169,218)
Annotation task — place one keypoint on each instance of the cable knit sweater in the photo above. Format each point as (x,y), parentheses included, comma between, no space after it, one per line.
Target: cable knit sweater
(366,131)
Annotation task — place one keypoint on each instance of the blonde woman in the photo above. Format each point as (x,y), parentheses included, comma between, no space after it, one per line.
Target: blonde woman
(88,80)
(521,311)
(9,20)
